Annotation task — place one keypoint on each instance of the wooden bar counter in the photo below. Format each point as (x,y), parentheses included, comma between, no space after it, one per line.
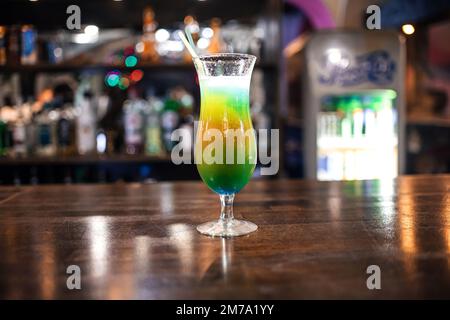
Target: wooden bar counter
(315,240)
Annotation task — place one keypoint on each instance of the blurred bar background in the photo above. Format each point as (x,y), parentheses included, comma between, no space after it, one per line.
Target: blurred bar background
(99,104)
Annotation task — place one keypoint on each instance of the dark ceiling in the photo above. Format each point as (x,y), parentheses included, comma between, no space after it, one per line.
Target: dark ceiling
(51,14)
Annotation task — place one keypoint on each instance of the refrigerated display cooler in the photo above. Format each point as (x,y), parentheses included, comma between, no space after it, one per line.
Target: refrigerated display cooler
(354,105)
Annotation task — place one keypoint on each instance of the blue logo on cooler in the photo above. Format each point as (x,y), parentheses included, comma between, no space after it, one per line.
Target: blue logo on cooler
(375,67)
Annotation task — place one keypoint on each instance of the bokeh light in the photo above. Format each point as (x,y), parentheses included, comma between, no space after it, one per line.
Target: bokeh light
(408,29)
(207,33)
(136,75)
(128,51)
(112,78)
(162,35)
(131,61)
(203,43)
(124,83)
(139,47)
(91,30)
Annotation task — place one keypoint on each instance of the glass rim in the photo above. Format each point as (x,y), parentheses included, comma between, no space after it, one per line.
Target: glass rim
(214,56)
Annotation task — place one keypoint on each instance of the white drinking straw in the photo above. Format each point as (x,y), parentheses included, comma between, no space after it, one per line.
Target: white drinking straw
(188,34)
(187,44)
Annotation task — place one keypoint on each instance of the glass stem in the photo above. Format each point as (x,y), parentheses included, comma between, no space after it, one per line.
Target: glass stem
(226,212)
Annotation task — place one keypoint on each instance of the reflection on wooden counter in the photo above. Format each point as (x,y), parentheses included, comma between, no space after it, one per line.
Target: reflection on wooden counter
(315,240)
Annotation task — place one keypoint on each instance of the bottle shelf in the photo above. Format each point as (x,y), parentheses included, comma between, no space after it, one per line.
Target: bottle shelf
(66,67)
(83,159)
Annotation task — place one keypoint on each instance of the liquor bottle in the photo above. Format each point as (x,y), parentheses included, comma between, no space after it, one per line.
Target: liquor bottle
(14,45)
(110,122)
(19,134)
(53,50)
(101,141)
(29,47)
(86,125)
(185,112)
(9,139)
(149,53)
(42,131)
(65,128)
(134,123)
(31,133)
(186,101)
(3,136)
(187,127)
(170,119)
(46,131)
(101,138)
(2,45)
(215,45)
(8,115)
(152,129)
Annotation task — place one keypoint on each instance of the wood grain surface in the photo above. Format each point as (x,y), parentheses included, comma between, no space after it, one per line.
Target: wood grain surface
(315,240)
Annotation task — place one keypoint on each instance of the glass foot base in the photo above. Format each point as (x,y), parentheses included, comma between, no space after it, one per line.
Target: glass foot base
(232,228)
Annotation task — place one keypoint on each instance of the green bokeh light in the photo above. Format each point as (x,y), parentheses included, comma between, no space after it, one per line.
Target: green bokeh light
(131,61)
(124,83)
(113,80)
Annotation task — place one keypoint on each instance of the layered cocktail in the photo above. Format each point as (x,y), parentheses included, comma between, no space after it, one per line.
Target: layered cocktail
(225,150)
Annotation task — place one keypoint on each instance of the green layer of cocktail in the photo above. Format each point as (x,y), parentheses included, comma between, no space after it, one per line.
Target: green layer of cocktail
(225,108)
